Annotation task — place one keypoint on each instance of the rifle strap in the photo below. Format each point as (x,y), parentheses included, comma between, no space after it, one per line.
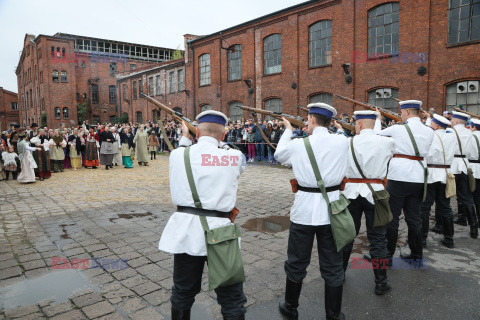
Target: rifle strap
(417,153)
(478,145)
(316,171)
(164,133)
(460,146)
(255,119)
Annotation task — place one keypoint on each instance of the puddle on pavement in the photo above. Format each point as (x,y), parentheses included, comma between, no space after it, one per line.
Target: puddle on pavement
(65,234)
(132,215)
(57,286)
(270,224)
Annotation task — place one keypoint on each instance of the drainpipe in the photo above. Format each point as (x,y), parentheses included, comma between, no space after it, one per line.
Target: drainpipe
(193,84)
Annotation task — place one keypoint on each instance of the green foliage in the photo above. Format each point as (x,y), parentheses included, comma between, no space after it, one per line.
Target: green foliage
(122,119)
(82,111)
(177,54)
(43,119)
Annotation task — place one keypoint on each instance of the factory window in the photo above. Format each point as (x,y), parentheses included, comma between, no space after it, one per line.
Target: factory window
(204,65)
(63,75)
(65,113)
(235,112)
(171,81)
(383,97)
(321,97)
(94,93)
(383,30)
(274,105)
(320,43)
(112,94)
(234,62)
(150,87)
(134,90)
(113,69)
(157,85)
(272,54)
(57,112)
(181,85)
(464,21)
(55,76)
(205,107)
(464,93)
(124,87)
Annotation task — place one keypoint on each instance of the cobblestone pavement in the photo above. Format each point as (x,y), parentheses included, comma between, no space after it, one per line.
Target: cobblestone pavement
(120,214)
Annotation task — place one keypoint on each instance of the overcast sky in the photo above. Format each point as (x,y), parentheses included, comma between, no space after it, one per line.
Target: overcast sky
(153,22)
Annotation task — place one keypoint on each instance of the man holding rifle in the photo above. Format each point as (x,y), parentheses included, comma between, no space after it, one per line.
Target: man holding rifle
(407,177)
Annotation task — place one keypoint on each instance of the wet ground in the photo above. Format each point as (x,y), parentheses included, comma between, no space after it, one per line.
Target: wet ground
(83,245)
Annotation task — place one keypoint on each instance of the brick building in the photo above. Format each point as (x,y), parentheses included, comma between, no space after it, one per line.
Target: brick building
(8,109)
(164,82)
(55,73)
(370,50)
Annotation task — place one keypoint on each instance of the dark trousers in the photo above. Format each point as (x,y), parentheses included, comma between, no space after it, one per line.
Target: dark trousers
(187,282)
(406,196)
(436,193)
(476,194)
(300,244)
(464,195)
(260,150)
(376,236)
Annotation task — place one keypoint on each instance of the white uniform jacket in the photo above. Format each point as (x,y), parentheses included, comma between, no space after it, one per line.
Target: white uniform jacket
(401,169)
(373,153)
(330,151)
(435,154)
(216,172)
(466,138)
(473,154)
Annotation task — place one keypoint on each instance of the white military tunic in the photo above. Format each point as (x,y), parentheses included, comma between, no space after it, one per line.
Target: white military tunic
(330,151)
(401,169)
(373,153)
(466,138)
(435,155)
(473,155)
(216,172)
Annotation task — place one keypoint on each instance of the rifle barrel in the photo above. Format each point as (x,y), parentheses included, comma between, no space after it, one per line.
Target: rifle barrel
(469,113)
(384,112)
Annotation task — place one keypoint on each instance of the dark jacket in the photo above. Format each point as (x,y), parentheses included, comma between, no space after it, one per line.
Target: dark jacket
(257,134)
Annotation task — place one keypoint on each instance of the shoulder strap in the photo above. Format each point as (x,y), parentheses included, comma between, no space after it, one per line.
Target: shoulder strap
(316,171)
(193,188)
(478,145)
(443,149)
(359,169)
(460,146)
(410,134)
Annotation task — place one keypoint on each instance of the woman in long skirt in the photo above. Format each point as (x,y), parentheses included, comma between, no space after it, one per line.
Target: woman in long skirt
(28,164)
(117,156)
(91,153)
(57,153)
(141,146)
(75,150)
(41,157)
(106,148)
(126,139)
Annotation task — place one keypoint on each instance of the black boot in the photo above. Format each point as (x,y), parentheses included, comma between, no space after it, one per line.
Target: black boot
(392,236)
(425,224)
(477,207)
(381,283)
(333,303)
(461,219)
(472,221)
(448,230)
(416,248)
(288,307)
(437,228)
(7,175)
(180,314)
(346,257)
(15,175)
(106,167)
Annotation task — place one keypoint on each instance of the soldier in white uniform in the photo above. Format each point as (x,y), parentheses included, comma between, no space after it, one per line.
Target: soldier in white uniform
(439,161)
(309,215)
(216,170)
(407,177)
(466,209)
(474,160)
(373,152)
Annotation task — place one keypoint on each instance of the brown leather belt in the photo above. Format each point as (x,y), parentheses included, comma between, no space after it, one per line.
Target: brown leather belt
(405,156)
(360,180)
(439,166)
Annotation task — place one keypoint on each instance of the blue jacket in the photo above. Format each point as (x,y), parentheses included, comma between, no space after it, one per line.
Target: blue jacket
(257,134)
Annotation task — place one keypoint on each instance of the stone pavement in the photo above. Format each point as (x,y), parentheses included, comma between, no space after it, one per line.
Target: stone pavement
(119,214)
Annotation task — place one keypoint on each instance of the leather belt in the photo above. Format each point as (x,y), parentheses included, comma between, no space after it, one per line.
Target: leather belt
(405,156)
(439,166)
(360,180)
(474,161)
(203,212)
(317,190)
(459,156)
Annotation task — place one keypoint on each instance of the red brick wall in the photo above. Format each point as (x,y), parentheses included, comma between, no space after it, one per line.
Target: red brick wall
(7,116)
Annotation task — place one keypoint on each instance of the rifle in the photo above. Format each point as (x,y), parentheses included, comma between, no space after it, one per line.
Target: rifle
(345,125)
(384,112)
(296,121)
(469,113)
(175,115)
(421,109)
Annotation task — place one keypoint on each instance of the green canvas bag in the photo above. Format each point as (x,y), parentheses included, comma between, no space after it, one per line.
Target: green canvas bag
(382,214)
(224,258)
(341,221)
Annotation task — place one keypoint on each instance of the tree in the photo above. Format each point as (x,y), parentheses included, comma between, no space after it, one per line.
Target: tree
(177,54)
(43,119)
(82,111)
(121,119)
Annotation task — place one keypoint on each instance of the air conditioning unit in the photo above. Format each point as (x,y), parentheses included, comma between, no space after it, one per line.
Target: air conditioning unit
(473,86)
(379,94)
(387,93)
(462,87)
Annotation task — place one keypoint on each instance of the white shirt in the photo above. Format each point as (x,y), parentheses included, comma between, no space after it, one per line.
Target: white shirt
(473,154)
(436,155)
(465,135)
(373,153)
(330,151)
(216,184)
(401,169)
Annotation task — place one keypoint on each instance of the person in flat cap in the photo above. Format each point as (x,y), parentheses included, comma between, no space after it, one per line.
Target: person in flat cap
(474,159)
(460,168)
(203,183)
(407,178)
(310,214)
(368,159)
(439,161)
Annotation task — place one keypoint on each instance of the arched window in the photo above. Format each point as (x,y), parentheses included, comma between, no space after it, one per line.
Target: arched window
(139,117)
(274,105)
(322,97)
(178,109)
(57,112)
(235,112)
(383,29)
(204,65)
(320,47)
(65,113)
(382,97)
(234,55)
(55,76)
(272,54)
(205,107)
(63,75)
(465,93)
(464,21)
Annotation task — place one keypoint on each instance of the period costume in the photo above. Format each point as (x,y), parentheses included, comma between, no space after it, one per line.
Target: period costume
(309,214)
(106,148)
(28,163)
(57,153)
(407,178)
(117,156)
(141,147)
(10,164)
(41,157)
(75,151)
(91,150)
(372,154)
(153,145)
(126,139)
(184,235)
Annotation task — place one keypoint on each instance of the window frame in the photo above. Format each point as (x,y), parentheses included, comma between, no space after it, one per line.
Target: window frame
(171,82)
(182,73)
(375,55)
(67,113)
(55,113)
(63,76)
(449,22)
(201,73)
(237,48)
(273,50)
(134,90)
(393,95)
(310,51)
(95,93)
(112,94)
(265,102)
(55,76)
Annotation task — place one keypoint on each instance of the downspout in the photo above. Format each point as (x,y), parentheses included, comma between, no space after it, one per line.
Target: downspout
(354,48)
(428,58)
(193,84)
(298,65)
